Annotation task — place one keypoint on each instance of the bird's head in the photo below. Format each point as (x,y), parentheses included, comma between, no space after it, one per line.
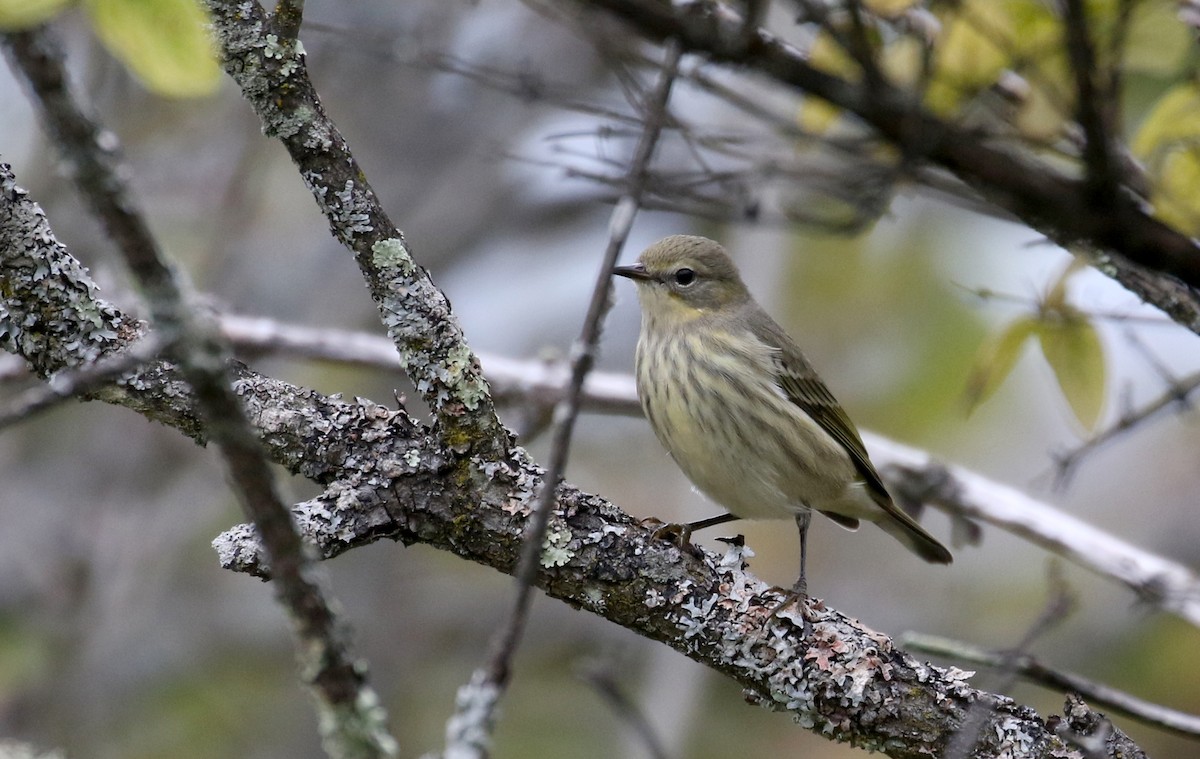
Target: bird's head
(683,277)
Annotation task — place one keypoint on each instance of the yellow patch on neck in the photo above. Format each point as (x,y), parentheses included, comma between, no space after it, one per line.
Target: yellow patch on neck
(666,309)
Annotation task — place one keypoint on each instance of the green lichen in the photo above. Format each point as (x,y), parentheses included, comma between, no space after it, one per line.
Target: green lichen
(392,254)
(555,548)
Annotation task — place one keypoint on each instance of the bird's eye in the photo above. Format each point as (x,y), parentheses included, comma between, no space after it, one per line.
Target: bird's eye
(684,277)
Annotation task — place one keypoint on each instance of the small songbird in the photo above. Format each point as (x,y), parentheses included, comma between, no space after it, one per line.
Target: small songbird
(740,409)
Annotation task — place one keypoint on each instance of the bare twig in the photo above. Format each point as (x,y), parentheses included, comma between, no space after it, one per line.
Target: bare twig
(1035,191)
(353,723)
(1177,394)
(1059,604)
(492,679)
(78,381)
(1034,670)
(599,676)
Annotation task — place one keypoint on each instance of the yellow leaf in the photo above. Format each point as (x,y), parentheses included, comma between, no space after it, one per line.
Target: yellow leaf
(888,8)
(1073,349)
(827,55)
(1056,297)
(165,43)
(1168,142)
(1158,41)
(22,14)
(816,116)
(996,359)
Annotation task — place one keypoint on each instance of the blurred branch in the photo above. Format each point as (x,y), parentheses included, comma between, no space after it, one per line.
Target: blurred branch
(1122,239)
(1035,671)
(77,382)
(916,476)
(599,675)
(1059,604)
(1178,393)
(1093,108)
(534,382)
(469,730)
(274,79)
(352,722)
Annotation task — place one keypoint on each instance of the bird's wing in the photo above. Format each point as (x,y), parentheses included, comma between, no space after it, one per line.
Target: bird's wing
(803,387)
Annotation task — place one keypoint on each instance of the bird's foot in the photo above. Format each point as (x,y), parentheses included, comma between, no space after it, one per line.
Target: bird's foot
(799,598)
(680,535)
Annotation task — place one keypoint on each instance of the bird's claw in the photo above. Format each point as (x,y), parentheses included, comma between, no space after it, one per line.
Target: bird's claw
(679,535)
(798,597)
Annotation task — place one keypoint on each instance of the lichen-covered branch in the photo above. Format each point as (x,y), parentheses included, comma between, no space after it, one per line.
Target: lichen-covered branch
(387,477)
(352,722)
(961,493)
(272,75)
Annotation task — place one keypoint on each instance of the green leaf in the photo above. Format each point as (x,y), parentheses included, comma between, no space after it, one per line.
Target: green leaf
(996,359)
(165,43)
(1073,349)
(22,14)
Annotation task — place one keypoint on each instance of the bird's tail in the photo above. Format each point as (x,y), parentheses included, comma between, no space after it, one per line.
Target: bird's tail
(902,527)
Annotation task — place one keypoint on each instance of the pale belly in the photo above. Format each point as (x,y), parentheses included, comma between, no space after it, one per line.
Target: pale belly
(746,445)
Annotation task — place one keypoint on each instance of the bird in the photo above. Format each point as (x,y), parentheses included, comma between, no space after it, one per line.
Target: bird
(741,410)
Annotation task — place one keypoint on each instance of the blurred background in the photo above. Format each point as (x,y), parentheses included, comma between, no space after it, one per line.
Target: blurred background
(120,636)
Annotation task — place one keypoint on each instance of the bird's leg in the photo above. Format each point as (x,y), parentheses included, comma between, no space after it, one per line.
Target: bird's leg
(799,592)
(800,588)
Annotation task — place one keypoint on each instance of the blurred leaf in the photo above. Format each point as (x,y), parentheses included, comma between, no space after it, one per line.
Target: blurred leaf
(826,54)
(165,43)
(22,14)
(1158,41)
(1056,296)
(816,116)
(1169,144)
(996,359)
(888,8)
(1073,349)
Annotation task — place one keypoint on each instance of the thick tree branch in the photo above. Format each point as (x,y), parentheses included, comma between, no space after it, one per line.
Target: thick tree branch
(391,478)
(272,75)
(912,473)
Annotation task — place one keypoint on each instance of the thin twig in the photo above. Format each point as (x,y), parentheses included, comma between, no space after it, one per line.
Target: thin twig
(1059,604)
(599,676)
(353,723)
(78,381)
(489,682)
(1033,670)
(1177,394)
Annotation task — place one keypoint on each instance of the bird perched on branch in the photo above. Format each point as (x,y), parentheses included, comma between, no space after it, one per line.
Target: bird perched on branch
(740,409)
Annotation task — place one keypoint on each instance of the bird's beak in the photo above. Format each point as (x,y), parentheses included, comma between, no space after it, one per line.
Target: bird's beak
(634,271)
